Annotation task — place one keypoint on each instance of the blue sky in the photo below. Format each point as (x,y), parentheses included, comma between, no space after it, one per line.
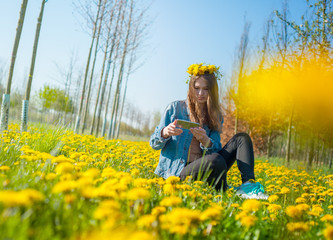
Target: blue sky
(183,32)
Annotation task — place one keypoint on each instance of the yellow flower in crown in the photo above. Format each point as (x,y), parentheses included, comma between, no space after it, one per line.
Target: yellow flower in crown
(201,69)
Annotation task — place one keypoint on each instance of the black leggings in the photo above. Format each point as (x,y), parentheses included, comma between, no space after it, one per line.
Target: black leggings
(215,166)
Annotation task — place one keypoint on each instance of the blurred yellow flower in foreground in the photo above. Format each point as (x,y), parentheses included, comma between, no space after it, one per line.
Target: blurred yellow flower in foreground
(171,201)
(328,232)
(24,197)
(297,226)
(248,221)
(251,205)
(4,168)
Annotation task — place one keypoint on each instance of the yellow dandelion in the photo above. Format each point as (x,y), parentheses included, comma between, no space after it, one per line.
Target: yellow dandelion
(158,210)
(61,159)
(70,198)
(64,167)
(138,193)
(141,235)
(273,198)
(91,172)
(284,190)
(4,168)
(297,226)
(172,180)
(169,189)
(146,221)
(316,211)
(251,205)
(234,205)
(240,215)
(303,207)
(273,207)
(300,200)
(327,217)
(211,213)
(171,201)
(293,212)
(64,186)
(328,232)
(135,172)
(248,221)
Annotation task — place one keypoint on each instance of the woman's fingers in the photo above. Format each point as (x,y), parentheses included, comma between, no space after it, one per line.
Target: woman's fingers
(199,133)
(172,130)
(175,131)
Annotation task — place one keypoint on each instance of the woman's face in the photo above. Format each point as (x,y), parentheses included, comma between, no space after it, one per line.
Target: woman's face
(201,90)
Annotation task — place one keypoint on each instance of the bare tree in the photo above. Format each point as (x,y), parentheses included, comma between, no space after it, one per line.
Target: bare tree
(120,76)
(85,113)
(77,123)
(107,42)
(110,88)
(66,78)
(129,71)
(111,40)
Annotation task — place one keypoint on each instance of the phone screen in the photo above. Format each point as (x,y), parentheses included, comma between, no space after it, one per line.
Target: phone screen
(186,124)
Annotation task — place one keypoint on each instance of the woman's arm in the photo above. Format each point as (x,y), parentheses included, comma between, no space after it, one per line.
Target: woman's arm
(165,129)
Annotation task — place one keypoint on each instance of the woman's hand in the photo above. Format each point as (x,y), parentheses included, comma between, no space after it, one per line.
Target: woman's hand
(200,134)
(171,130)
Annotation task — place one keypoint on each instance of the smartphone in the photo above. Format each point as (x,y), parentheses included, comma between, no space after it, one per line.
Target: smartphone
(186,124)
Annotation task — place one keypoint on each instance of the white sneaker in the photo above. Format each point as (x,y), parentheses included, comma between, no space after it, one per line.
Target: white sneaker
(250,190)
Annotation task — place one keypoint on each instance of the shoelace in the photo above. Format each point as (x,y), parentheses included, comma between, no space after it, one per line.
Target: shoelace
(253,188)
(259,188)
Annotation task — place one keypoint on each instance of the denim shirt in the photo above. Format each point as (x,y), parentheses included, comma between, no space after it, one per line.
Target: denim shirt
(175,149)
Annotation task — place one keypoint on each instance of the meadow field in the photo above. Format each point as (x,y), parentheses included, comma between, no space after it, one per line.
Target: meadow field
(58,185)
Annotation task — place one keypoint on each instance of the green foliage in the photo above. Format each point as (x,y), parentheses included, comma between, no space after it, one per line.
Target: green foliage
(55,98)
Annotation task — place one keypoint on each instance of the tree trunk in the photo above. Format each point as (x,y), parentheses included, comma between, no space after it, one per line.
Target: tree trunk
(108,100)
(120,76)
(311,151)
(77,122)
(269,140)
(113,43)
(85,113)
(289,135)
(130,65)
(102,73)
(236,121)
(25,104)
(331,158)
(6,97)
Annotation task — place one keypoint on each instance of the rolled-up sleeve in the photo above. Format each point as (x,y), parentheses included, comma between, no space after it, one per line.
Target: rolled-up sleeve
(156,140)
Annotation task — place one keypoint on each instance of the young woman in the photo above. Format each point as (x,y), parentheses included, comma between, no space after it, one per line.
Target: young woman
(197,151)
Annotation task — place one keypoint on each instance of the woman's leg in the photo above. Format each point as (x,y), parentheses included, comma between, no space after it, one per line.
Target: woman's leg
(240,148)
(212,166)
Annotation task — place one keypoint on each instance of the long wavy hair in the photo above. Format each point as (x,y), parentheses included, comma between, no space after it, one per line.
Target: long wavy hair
(210,114)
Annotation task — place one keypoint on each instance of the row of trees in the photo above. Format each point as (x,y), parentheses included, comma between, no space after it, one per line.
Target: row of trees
(52,105)
(117,29)
(284,98)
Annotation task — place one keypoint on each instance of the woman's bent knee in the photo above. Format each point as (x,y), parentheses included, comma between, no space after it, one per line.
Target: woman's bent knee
(244,137)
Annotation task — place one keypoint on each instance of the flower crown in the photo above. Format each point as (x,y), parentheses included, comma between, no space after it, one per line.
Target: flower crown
(200,69)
